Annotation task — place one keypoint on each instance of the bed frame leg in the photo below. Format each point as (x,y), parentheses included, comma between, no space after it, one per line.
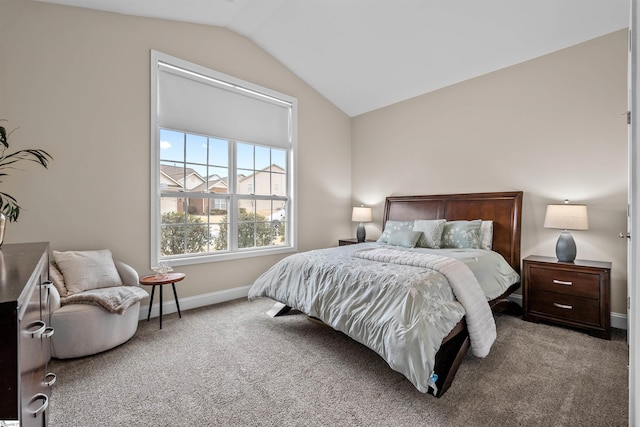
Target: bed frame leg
(448,360)
(514,307)
(278,309)
(503,304)
(507,306)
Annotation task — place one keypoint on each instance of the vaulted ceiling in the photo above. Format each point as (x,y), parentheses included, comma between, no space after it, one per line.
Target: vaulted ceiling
(366,54)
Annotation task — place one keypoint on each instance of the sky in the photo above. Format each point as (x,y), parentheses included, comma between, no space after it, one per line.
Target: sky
(250,157)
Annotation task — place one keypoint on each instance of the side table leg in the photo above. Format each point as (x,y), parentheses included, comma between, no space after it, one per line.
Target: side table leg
(153,289)
(175,295)
(160,307)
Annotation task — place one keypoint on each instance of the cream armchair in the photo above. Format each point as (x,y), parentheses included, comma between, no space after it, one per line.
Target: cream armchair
(83,326)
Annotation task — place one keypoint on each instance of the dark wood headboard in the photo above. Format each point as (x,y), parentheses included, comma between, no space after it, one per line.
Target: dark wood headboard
(504,209)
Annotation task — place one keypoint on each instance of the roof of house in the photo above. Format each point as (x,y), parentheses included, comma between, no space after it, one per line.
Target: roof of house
(177,173)
(269,168)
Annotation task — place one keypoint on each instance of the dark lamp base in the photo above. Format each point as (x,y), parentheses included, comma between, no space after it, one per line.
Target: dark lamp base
(566,247)
(361,233)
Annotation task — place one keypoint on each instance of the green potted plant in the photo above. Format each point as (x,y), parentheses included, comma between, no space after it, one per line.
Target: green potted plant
(9,207)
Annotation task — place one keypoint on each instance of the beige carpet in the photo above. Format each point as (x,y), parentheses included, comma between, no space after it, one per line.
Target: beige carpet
(231,365)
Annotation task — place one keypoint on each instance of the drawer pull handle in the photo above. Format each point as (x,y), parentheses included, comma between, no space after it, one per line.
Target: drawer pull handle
(562,282)
(566,307)
(38,332)
(46,284)
(50,379)
(43,407)
(47,332)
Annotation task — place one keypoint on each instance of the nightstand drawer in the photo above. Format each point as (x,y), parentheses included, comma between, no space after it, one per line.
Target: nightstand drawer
(576,283)
(567,307)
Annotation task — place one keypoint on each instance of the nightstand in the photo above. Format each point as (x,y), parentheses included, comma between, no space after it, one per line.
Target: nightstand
(571,294)
(345,242)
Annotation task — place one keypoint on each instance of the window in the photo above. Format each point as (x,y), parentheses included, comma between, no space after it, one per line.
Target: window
(222,181)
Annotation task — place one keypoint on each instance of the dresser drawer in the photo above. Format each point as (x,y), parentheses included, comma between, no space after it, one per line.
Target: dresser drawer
(581,284)
(25,382)
(32,364)
(565,307)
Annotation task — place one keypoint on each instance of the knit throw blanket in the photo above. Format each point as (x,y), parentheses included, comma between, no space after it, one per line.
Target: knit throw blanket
(465,286)
(115,299)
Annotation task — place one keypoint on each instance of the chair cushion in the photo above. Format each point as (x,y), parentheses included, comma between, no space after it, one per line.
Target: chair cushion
(84,270)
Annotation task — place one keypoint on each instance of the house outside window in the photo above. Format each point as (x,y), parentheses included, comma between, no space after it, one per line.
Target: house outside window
(219,190)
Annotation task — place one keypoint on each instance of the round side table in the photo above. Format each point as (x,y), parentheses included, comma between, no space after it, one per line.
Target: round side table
(155,280)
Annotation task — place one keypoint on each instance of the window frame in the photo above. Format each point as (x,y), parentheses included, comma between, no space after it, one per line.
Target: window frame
(233,197)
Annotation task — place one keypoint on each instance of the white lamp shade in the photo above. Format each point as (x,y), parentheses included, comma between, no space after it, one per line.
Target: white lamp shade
(361,214)
(567,217)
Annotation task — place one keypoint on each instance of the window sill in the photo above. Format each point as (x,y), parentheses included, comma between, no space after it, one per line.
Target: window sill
(203,259)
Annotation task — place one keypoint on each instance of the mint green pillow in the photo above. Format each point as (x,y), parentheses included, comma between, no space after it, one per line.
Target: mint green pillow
(461,234)
(404,238)
(431,232)
(392,226)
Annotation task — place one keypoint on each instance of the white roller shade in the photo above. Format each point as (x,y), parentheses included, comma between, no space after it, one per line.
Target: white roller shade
(202,103)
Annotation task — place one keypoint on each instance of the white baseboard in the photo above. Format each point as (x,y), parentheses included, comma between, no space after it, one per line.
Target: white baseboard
(203,300)
(618,320)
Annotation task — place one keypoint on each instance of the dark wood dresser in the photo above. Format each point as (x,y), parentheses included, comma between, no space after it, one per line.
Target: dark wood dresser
(25,344)
(573,294)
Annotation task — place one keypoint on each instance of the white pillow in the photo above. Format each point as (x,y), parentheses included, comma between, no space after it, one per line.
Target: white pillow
(486,235)
(84,270)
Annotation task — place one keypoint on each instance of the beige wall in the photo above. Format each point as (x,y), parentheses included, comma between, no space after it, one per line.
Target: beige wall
(76,83)
(553,127)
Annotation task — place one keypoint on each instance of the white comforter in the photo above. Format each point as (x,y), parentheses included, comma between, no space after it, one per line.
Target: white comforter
(399,303)
(482,329)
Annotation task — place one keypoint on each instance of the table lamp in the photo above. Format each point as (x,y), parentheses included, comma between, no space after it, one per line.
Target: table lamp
(361,215)
(566,217)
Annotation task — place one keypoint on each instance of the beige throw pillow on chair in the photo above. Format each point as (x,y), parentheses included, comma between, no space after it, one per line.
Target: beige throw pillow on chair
(84,270)
(58,279)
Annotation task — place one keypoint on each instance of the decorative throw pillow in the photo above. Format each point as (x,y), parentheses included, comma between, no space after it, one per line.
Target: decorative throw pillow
(57,279)
(84,270)
(405,238)
(392,226)
(461,234)
(486,235)
(431,232)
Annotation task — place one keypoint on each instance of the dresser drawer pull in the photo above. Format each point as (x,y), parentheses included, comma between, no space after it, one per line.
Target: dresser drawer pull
(48,332)
(43,407)
(562,282)
(38,332)
(566,307)
(50,379)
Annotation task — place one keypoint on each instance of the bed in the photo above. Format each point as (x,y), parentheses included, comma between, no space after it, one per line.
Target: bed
(420,308)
